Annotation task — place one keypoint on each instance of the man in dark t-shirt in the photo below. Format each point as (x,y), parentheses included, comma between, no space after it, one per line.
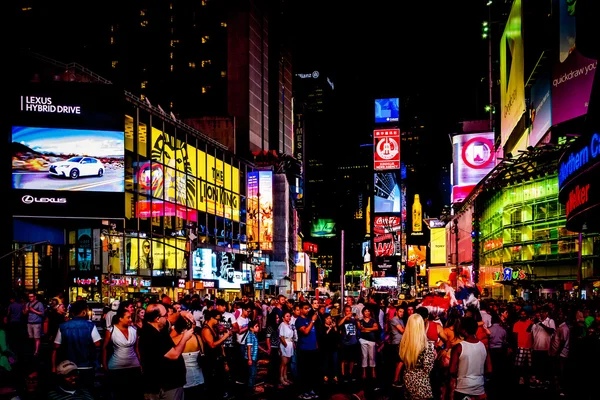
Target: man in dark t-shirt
(162,364)
(308,362)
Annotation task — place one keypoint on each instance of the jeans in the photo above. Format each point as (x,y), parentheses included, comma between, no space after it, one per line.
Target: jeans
(252,370)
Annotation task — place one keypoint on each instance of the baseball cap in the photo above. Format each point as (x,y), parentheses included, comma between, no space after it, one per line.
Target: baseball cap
(66,367)
(115,305)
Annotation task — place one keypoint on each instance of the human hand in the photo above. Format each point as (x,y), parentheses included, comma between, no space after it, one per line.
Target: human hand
(314,317)
(187,334)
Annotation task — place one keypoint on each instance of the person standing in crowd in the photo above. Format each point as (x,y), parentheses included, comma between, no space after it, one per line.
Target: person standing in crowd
(542,331)
(67,385)
(329,344)
(123,365)
(252,347)
(272,343)
(240,327)
(114,307)
(396,330)
(287,343)
(226,325)
(349,345)
(56,315)
(469,362)
(559,351)
(307,352)
(163,368)
(14,321)
(522,332)
(216,366)
(369,329)
(76,340)
(192,354)
(417,354)
(34,309)
(498,345)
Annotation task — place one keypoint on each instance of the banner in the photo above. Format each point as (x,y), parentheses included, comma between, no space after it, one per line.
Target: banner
(541,108)
(387,149)
(512,73)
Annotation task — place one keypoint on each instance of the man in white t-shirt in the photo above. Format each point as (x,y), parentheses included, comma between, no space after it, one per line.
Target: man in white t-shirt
(76,347)
(240,327)
(542,331)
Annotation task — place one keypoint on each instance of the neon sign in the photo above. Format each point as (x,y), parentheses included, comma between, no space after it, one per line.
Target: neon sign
(578,159)
(508,274)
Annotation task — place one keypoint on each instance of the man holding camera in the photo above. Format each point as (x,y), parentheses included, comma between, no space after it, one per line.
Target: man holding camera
(163,367)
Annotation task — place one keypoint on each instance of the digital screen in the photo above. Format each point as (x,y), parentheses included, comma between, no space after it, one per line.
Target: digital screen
(390,281)
(387,192)
(67,159)
(221,266)
(323,228)
(387,110)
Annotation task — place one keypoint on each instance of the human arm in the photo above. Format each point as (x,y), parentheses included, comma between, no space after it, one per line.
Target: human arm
(175,351)
(207,337)
(306,328)
(454,356)
(107,339)
(488,362)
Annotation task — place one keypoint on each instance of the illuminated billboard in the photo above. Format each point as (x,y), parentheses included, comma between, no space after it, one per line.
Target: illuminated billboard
(259,206)
(67,159)
(387,149)
(67,150)
(473,159)
(438,245)
(222,266)
(512,73)
(417,258)
(541,108)
(387,110)
(387,192)
(187,179)
(323,228)
(573,73)
(156,254)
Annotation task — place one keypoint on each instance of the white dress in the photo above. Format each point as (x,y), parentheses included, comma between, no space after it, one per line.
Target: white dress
(289,334)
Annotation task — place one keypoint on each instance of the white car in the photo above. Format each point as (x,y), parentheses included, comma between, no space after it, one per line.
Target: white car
(75,167)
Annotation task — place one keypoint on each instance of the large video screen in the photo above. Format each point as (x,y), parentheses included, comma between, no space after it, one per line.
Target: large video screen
(387,192)
(67,159)
(387,110)
(221,266)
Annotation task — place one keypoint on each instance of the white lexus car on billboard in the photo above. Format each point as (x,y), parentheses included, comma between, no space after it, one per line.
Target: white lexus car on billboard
(75,167)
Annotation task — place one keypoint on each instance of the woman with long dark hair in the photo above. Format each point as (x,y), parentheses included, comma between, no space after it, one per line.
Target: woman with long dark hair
(272,337)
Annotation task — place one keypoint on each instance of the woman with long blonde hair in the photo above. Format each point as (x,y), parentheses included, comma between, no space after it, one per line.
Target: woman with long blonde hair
(418,358)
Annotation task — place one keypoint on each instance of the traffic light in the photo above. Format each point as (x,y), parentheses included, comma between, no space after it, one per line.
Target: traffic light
(485,30)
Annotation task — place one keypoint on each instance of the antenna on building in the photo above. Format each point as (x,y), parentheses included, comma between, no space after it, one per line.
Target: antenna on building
(173,116)
(148,102)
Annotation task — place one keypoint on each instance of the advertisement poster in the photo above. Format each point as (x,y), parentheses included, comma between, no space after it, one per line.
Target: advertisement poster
(265,200)
(221,266)
(573,73)
(252,210)
(387,192)
(417,258)
(541,108)
(386,267)
(387,149)
(512,73)
(473,156)
(387,110)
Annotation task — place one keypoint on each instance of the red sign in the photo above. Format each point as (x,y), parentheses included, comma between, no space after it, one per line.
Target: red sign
(145,209)
(311,247)
(387,149)
(386,224)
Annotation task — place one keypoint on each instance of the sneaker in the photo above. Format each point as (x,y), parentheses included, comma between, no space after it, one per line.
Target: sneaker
(305,396)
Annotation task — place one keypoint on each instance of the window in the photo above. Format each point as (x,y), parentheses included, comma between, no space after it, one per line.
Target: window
(142,12)
(223,74)
(192,65)
(114,64)
(205,39)
(112,40)
(144,23)
(143,84)
(205,62)
(224,24)
(171,68)
(171,55)
(204,89)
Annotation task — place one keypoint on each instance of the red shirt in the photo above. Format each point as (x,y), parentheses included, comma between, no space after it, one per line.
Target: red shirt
(524,338)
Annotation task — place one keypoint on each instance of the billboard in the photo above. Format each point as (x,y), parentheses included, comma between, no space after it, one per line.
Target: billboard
(67,159)
(473,158)
(222,266)
(387,196)
(512,73)
(67,150)
(387,149)
(438,245)
(324,228)
(259,219)
(386,235)
(573,73)
(541,108)
(387,110)
(417,259)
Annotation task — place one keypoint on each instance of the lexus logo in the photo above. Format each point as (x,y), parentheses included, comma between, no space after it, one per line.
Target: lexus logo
(29,199)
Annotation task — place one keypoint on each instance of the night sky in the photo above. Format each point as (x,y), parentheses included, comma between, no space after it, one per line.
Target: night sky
(429,51)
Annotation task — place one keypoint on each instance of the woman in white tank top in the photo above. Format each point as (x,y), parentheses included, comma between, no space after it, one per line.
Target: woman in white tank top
(123,365)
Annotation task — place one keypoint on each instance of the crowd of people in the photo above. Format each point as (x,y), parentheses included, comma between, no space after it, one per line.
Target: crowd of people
(210,348)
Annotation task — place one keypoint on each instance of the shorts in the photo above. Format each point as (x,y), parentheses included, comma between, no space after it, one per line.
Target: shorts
(34,331)
(523,357)
(350,353)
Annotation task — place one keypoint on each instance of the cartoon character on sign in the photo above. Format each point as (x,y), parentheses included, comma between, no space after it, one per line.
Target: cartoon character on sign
(507,276)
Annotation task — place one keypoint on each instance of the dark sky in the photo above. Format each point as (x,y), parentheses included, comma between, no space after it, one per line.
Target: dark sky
(429,50)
